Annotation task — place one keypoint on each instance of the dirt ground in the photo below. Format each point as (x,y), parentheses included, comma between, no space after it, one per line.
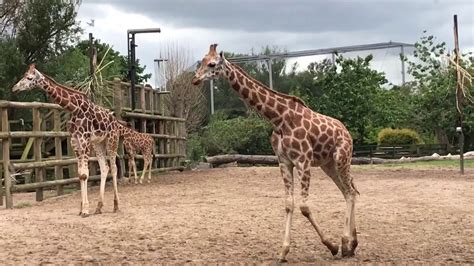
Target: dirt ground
(236,215)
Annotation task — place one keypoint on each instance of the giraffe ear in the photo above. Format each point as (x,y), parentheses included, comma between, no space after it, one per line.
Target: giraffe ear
(221,54)
(31,67)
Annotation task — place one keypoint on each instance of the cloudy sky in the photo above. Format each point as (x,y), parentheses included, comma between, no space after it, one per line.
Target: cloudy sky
(244,25)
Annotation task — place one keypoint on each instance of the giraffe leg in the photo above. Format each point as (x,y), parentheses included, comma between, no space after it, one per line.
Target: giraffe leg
(104,171)
(340,176)
(145,167)
(286,170)
(81,147)
(112,145)
(130,169)
(303,171)
(150,164)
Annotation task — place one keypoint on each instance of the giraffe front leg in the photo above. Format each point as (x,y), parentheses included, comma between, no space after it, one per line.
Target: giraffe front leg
(83,171)
(286,170)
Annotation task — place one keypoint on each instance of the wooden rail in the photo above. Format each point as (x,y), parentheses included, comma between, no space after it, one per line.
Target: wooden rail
(48,129)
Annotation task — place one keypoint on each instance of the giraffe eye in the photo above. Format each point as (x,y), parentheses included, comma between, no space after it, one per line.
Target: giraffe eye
(211,64)
(29,78)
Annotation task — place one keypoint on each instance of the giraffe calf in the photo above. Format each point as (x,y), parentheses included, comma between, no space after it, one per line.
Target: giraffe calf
(135,142)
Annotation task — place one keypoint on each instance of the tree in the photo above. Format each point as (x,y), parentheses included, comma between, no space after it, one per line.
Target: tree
(434,92)
(353,95)
(185,100)
(33,31)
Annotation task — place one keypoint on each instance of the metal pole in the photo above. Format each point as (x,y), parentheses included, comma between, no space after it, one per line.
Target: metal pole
(212,95)
(270,78)
(132,67)
(402,57)
(459,95)
(333,58)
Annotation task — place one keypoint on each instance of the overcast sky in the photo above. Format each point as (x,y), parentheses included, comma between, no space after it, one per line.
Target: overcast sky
(242,25)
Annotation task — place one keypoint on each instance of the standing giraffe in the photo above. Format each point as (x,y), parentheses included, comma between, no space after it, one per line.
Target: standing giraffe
(301,138)
(134,142)
(90,125)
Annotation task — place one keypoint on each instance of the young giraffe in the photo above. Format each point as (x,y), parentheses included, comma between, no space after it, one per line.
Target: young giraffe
(134,142)
(301,138)
(90,125)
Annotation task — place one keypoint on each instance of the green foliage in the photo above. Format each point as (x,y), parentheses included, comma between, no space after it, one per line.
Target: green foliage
(241,135)
(433,93)
(353,94)
(119,66)
(194,148)
(46,28)
(404,136)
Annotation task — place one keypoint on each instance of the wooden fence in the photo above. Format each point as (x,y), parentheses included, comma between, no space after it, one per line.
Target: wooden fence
(59,168)
(398,151)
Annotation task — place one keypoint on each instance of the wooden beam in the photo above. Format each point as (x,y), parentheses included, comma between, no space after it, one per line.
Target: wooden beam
(152,117)
(6,160)
(28,105)
(58,148)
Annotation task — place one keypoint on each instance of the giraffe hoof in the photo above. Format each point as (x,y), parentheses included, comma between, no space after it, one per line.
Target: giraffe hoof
(84,215)
(98,211)
(333,248)
(348,247)
(280,261)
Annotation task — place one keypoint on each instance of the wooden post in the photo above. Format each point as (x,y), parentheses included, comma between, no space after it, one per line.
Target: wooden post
(153,131)
(119,103)
(459,96)
(152,101)
(142,98)
(58,169)
(37,152)
(6,160)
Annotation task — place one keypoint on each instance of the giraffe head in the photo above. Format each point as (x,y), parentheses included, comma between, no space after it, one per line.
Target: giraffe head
(30,80)
(211,66)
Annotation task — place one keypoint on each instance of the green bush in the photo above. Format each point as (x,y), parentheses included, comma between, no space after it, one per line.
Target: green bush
(404,136)
(195,150)
(241,135)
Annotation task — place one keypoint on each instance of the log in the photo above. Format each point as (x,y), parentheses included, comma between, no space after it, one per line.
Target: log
(273,160)
(244,159)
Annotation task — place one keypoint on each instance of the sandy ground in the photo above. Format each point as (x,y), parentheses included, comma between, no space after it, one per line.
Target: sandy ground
(236,215)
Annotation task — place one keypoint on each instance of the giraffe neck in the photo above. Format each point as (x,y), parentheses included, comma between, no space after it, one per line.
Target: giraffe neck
(269,103)
(70,99)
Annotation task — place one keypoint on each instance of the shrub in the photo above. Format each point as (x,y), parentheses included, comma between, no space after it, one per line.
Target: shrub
(195,150)
(241,135)
(404,136)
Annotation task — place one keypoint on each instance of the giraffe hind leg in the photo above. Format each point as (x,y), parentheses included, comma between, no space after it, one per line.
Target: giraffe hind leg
(340,175)
(304,173)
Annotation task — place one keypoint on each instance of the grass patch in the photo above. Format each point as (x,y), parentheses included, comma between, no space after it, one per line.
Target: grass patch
(22,204)
(424,164)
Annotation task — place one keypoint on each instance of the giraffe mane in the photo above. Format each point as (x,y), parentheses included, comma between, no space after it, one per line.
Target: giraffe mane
(286,96)
(62,86)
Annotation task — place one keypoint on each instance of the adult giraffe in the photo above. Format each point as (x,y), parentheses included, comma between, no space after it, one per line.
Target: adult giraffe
(301,138)
(90,125)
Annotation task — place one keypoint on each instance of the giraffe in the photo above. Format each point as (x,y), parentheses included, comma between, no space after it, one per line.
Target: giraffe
(90,125)
(301,138)
(134,142)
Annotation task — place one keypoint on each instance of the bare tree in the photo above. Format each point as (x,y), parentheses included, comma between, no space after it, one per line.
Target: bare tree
(185,100)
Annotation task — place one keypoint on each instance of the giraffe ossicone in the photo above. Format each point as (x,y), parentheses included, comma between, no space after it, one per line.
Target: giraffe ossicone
(301,138)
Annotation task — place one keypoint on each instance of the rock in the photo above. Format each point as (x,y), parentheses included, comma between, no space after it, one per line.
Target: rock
(435,155)
(201,166)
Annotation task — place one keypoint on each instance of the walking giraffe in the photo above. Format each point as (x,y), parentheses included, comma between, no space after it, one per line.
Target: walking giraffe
(134,142)
(301,138)
(90,125)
